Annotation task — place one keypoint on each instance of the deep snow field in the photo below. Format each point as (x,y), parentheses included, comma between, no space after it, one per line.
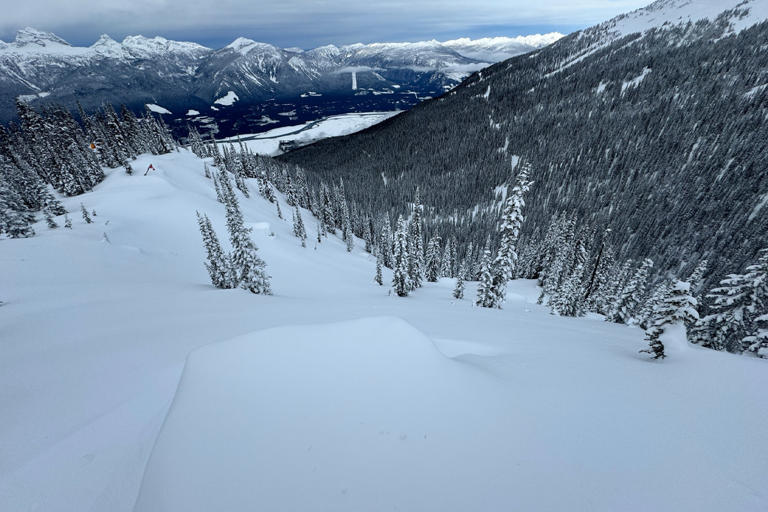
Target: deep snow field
(127,382)
(268,143)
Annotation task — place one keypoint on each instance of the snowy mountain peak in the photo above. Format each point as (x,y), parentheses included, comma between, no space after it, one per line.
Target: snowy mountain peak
(242,45)
(104,39)
(108,47)
(29,35)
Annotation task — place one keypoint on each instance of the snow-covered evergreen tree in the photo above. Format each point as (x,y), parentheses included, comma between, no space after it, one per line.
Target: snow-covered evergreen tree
(757,342)
(558,257)
(445,261)
(15,220)
(49,219)
(598,290)
(386,243)
(485,286)
(298,226)
(625,308)
(217,262)
(568,299)
(248,267)
(401,281)
(433,260)
(458,290)
(350,236)
(416,243)
(726,326)
(646,313)
(379,278)
(505,264)
(670,317)
(67,222)
(697,277)
(85,214)
(217,187)
(468,261)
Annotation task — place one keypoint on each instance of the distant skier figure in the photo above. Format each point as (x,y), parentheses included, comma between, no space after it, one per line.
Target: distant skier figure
(150,168)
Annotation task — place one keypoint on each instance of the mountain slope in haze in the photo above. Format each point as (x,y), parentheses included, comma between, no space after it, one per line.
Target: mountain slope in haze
(259,81)
(652,124)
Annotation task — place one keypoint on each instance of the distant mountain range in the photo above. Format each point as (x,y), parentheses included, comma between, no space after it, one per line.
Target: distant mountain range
(260,83)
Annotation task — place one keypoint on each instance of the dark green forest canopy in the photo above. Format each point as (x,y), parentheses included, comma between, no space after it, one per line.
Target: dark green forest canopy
(663,138)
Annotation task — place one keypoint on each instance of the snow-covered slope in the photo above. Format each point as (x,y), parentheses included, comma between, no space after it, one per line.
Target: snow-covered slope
(433,405)
(268,143)
(666,14)
(738,14)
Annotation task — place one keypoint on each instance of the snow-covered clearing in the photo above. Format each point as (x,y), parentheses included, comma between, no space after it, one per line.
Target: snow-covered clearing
(228,99)
(267,143)
(332,394)
(158,109)
(634,82)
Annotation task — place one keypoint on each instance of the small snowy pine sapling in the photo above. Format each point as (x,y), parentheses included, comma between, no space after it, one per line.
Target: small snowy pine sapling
(350,242)
(655,345)
(206,170)
(279,212)
(379,278)
(86,216)
(298,226)
(217,187)
(49,219)
(458,291)
(67,221)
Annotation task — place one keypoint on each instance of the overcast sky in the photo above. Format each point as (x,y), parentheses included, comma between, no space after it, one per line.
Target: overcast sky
(304,23)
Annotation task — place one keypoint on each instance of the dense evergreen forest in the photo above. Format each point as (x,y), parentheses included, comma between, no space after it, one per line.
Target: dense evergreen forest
(662,139)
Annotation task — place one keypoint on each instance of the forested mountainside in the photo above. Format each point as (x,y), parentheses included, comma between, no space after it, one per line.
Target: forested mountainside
(647,124)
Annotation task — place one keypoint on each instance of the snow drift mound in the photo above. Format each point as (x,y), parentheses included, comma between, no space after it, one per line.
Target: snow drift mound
(366,415)
(359,415)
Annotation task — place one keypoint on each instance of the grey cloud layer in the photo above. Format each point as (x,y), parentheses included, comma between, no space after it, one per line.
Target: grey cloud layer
(300,21)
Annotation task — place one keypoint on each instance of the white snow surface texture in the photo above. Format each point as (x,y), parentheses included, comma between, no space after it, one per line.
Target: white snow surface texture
(332,394)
